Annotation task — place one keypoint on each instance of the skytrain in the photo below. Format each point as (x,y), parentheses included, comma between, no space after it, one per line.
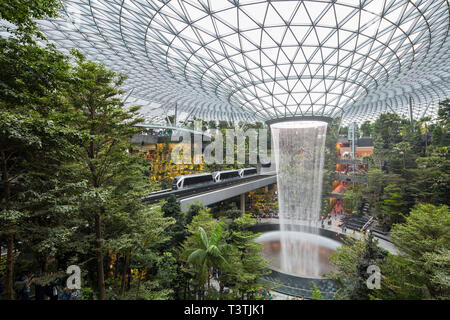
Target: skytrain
(204,179)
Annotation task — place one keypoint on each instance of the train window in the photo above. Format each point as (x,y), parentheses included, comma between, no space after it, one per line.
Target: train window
(198,179)
(229,175)
(249,171)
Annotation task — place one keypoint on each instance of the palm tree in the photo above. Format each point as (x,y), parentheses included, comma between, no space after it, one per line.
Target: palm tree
(209,254)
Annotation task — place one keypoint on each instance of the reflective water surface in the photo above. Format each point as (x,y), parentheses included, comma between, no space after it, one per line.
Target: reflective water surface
(304,242)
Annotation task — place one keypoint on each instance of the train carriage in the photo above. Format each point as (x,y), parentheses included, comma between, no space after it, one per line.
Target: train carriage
(247,172)
(193,180)
(226,175)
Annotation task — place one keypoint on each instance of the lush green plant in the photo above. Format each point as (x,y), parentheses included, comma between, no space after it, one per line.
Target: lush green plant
(420,270)
(210,254)
(316,293)
(351,261)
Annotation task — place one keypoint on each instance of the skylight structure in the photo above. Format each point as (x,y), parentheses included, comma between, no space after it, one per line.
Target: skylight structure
(257,60)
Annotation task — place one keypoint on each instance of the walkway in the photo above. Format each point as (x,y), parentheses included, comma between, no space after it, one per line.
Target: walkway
(335,228)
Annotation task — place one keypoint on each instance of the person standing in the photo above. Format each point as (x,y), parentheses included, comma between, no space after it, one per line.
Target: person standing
(24,291)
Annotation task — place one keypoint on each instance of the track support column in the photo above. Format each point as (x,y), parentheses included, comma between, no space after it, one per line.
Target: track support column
(243,203)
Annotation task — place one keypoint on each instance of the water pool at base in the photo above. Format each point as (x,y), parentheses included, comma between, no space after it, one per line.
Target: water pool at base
(298,241)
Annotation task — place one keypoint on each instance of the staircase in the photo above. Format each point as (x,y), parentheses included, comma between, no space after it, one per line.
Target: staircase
(364,221)
(359,220)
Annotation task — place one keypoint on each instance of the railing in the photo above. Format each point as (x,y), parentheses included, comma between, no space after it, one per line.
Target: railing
(368,223)
(351,178)
(350,161)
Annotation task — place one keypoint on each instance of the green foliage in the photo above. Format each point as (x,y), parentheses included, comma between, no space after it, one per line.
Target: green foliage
(366,129)
(168,273)
(193,210)
(316,293)
(35,140)
(392,204)
(386,133)
(23,13)
(147,290)
(430,182)
(208,255)
(247,265)
(444,112)
(351,261)
(233,213)
(177,232)
(353,199)
(420,270)
(407,167)
(87,293)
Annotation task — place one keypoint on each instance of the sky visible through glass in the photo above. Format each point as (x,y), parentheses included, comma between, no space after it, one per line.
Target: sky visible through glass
(259,60)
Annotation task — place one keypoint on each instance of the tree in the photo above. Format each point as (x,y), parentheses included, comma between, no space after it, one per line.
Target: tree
(423,125)
(351,261)
(24,13)
(22,141)
(149,237)
(168,273)
(437,136)
(33,134)
(233,213)
(209,254)
(133,231)
(393,205)
(444,121)
(247,264)
(212,124)
(371,256)
(353,199)
(421,268)
(177,232)
(430,182)
(444,112)
(99,114)
(376,180)
(366,129)
(193,210)
(402,148)
(386,133)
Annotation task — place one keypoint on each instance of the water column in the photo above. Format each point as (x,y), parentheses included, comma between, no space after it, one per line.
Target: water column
(299,154)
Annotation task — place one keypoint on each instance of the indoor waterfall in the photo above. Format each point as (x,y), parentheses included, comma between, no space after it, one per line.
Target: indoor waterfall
(299,153)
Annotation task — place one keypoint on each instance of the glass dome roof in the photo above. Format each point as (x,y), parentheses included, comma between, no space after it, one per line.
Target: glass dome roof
(256,60)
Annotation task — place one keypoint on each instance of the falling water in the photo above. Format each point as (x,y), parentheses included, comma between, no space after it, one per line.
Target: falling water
(299,154)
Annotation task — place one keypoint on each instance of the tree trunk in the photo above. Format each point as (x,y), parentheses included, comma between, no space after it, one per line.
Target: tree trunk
(44,262)
(138,284)
(100,271)
(124,274)
(10,240)
(10,267)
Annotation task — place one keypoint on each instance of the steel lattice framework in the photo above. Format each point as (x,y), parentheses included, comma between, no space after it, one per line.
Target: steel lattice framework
(257,60)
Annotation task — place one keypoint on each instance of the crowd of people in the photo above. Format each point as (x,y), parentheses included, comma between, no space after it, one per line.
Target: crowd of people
(267,295)
(265,215)
(51,291)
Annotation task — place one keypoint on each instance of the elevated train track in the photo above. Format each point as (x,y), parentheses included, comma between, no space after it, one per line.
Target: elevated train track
(203,191)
